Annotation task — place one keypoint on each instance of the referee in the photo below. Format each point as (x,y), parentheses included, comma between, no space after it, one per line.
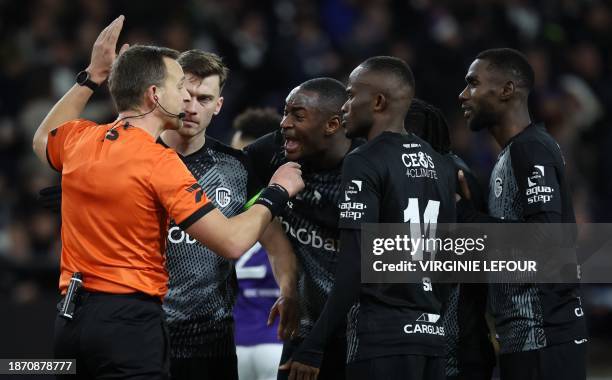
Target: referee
(119,189)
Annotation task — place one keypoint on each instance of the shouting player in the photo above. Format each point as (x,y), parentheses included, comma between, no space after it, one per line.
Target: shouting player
(311,133)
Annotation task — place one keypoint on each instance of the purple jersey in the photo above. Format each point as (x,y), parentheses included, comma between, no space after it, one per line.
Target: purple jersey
(257,293)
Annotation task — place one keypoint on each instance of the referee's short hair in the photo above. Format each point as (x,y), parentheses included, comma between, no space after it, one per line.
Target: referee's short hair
(331,92)
(134,71)
(512,63)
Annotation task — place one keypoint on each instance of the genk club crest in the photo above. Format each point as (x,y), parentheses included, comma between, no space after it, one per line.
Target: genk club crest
(223,196)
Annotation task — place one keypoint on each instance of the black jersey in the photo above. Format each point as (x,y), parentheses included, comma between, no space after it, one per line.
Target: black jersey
(311,224)
(394,178)
(202,285)
(398,179)
(528,184)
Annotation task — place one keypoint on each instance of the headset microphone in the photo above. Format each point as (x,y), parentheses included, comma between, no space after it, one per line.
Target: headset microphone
(179,116)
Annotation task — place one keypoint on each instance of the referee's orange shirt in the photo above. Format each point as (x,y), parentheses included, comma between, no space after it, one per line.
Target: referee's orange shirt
(118,191)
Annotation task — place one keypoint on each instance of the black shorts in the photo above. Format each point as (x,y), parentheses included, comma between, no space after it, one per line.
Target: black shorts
(475,363)
(217,368)
(565,361)
(115,336)
(334,359)
(474,373)
(400,367)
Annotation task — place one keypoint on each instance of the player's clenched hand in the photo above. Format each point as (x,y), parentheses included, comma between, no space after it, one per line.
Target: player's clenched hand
(463,187)
(289,176)
(104,50)
(299,371)
(286,307)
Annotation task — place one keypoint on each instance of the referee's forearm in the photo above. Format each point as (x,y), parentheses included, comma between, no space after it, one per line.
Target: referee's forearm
(245,229)
(231,238)
(69,107)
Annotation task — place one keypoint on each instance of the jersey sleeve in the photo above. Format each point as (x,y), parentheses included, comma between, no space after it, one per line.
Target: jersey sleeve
(536,172)
(56,141)
(178,191)
(360,197)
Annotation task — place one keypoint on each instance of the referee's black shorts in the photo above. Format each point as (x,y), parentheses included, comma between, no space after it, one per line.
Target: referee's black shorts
(333,366)
(399,367)
(115,336)
(565,361)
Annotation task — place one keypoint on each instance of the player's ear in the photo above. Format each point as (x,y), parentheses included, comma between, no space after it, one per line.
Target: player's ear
(218,105)
(380,102)
(507,90)
(333,125)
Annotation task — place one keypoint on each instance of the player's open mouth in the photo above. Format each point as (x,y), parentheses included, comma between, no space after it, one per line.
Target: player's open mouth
(467,111)
(291,145)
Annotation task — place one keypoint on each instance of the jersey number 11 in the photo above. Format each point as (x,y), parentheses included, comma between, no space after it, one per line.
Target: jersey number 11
(421,231)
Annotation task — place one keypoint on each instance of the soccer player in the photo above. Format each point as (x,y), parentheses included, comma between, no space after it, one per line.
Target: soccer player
(541,327)
(202,285)
(257,341)
(382,339)
(253,124)
(470,354)
(311,133)
(119,187)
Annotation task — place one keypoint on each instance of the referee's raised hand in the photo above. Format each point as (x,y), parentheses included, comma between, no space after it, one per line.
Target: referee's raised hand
(289,176)
(103,53)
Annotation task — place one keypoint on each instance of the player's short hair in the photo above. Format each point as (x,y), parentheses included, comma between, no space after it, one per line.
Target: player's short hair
(428,122)
(331,92)
(203,64)
(256,122)
(510,62)
(391,66)
(134,71)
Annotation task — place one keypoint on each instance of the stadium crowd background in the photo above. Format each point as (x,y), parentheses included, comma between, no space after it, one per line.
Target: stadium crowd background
(271,46)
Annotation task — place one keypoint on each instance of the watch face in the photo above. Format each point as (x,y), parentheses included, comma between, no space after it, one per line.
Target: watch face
(82,77)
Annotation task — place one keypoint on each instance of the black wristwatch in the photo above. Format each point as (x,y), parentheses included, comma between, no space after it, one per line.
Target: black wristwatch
(83,79)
